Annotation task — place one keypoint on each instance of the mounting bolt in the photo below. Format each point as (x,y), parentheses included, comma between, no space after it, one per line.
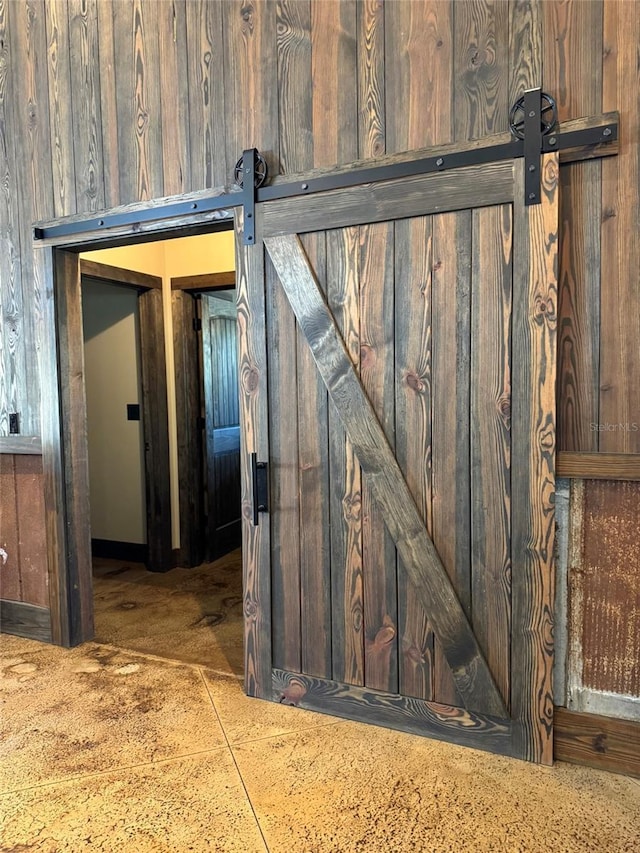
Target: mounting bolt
(552,140)
(439,161)
(532,113)
(532,168)
(305,186)
(532,196)
(606,131)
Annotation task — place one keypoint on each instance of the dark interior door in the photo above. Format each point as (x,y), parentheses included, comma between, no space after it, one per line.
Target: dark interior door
(222,422)
(398,377)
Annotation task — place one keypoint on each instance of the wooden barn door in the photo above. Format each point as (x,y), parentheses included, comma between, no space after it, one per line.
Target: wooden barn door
(397,345)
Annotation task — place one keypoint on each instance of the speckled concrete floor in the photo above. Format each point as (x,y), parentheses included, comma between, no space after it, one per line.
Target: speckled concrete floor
(143,741)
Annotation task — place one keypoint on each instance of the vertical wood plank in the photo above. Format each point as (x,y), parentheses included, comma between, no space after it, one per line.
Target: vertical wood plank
(315,521)
(334,82)
(296,154)
(283,475)
(418,74)
(451,288)
(490,411)
(533,469)
(10,589)
(60,108)
(525,47)
(254,438)
(251,75)
(620,326)
(210,164)
(75,457)
(174,83)
(86,116)
(34,184)
(294,95)
(155,430)
(13,371)
(31,530)
(53,469)
(413,260)
(138,100)
(481,68)
(371,76)
(347,605)
(573,39)
(112,158)
(189,433)
(377,367)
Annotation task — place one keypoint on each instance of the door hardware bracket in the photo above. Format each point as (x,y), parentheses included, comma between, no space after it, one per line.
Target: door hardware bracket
(531,118)
(250,173)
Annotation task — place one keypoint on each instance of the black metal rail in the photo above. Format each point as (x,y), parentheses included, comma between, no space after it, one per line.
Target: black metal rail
(535,142)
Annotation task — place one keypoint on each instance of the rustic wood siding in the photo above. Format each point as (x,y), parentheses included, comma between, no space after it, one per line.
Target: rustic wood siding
(104,102)
(23,561)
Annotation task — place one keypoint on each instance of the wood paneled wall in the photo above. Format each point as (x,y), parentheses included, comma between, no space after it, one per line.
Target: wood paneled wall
(23,551)
(103,103)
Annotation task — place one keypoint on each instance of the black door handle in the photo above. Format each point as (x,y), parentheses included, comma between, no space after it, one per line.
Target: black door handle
(260,487)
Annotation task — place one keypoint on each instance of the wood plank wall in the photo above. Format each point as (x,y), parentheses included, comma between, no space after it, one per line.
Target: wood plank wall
(22,536)
(104,103)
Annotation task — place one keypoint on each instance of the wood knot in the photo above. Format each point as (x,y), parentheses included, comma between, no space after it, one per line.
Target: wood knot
(250,608)
(600,742)
(608,213)
(293,693)
(385,635)
(367,355)
(504,408)
(545,309)
(352,507)
(414,654)
(414,382)
(250,380)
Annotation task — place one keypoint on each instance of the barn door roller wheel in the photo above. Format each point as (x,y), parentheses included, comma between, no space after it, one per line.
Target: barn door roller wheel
(548,116)
(260,170)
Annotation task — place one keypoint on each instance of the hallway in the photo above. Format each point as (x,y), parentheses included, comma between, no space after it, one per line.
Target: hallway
(143,742)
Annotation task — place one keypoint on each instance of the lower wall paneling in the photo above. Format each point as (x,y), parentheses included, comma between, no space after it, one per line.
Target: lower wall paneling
(602,742)
(23,554)
(25,620)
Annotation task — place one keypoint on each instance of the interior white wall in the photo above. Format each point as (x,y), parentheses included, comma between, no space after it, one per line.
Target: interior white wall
(116,447)
(186,256)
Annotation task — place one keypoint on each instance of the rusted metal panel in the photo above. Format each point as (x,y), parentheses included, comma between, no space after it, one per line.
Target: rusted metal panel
(611,587)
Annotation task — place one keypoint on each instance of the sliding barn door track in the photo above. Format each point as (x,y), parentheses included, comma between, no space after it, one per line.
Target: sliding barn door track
(533,121)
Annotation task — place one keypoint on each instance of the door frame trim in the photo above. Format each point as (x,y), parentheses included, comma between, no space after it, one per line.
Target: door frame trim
(63,407)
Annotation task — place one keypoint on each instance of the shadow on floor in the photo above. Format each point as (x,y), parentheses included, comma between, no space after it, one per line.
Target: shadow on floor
(188,615)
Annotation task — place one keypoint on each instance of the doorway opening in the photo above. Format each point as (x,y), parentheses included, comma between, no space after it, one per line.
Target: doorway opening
(157,583)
